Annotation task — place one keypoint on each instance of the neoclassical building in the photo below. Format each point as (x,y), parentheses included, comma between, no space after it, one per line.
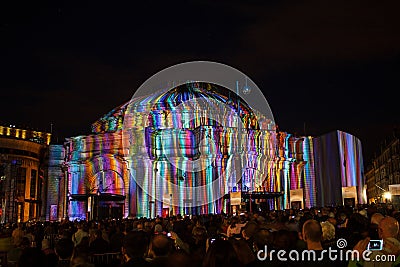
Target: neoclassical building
(23,179)
(182,151)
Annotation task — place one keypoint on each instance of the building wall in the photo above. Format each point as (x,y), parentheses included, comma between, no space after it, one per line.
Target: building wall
(312,164)
(95,165)
(90,158)
(338,163)
(385,171)
(147,157)
(55,197)
(327,169)
(23,156)
(371,187)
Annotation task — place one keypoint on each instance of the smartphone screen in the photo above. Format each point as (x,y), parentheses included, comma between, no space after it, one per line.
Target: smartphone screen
(375,245)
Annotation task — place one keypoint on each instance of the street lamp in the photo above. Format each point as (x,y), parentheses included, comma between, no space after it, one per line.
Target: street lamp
(387,196)
(68,201)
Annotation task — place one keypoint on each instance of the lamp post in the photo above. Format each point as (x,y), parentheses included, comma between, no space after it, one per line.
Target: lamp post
(59,197)
(170,206)
(155,190)
(128,202)
(97,204)
(64,168)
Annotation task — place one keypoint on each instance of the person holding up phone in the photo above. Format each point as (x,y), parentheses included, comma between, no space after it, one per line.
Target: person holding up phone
(388,230)
(178,242)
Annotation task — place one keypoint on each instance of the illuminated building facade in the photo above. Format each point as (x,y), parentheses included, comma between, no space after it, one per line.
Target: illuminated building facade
(23,154)
(151,170)
(339,169)
(384,174)
(372,189)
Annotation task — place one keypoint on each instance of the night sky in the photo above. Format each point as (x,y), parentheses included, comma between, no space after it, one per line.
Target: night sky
(321,65)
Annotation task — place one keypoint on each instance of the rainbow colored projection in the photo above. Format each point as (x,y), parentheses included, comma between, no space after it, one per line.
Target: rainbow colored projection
(200,141)
(339,164)
(162,152)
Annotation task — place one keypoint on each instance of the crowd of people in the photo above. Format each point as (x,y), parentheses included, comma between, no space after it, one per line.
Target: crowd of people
(211,240)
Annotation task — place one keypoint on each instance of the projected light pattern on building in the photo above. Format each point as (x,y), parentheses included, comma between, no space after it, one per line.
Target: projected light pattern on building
(188,124)
(338,164)
(309,172)
(350,154)
(235,148)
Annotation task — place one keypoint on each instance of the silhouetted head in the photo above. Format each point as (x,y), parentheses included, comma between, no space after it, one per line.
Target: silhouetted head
(388,227)
(221,253)
(135,244)
(32,257)
(160,245)
(64,248)
(312,231)
(243,251)
(376,218)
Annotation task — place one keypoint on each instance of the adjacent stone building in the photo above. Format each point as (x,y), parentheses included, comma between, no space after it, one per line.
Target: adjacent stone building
(23,168)
(383,175)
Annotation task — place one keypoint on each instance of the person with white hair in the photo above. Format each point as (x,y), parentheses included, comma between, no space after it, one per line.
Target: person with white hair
(376,218)
(388,229)
(158,229)
(363,212)
(328,234)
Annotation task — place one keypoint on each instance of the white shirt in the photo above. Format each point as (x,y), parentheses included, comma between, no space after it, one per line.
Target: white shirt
(235,230)
(77,237)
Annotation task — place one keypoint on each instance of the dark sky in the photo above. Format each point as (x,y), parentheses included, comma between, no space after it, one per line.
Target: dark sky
(323,64)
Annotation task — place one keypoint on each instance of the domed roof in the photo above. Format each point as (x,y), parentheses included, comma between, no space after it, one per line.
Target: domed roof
(187,98)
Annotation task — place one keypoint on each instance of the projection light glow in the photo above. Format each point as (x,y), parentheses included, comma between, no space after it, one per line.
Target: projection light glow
(197,131)
(191,134)
(198,145)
